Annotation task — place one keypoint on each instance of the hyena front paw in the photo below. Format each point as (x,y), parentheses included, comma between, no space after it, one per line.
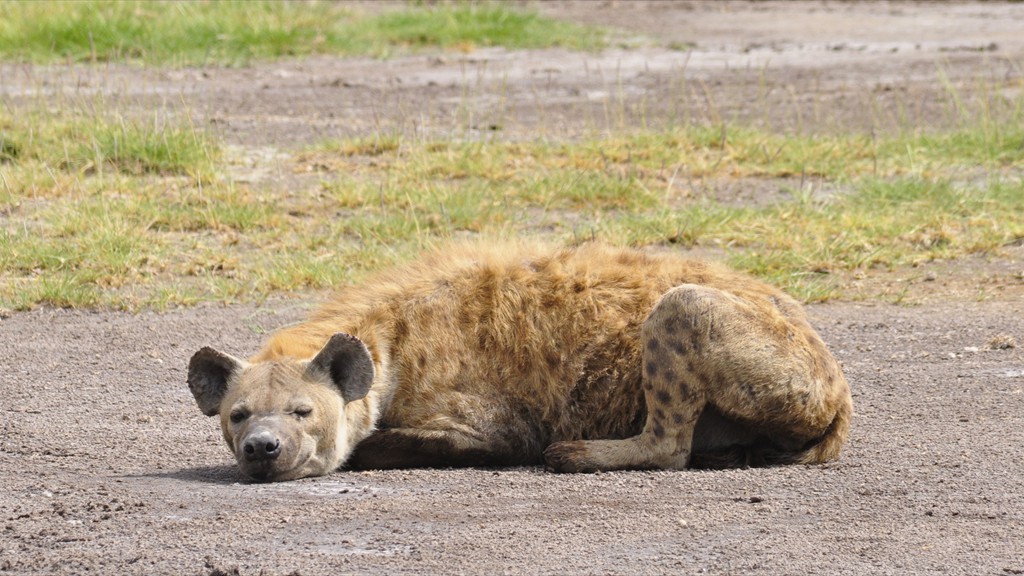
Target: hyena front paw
(569,457)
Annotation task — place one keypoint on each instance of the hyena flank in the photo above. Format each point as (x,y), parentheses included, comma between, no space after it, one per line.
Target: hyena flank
(586,359)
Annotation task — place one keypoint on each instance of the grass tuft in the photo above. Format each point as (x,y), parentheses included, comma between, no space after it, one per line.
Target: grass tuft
(73,141)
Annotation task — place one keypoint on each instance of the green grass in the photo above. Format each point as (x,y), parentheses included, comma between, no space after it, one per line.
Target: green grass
(900,203)
(878,224)
(99,211)
(233,33)
(469,26)
(75,142)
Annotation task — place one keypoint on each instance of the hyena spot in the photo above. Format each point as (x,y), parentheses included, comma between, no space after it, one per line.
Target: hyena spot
(673,325)
(659,431)
(678,345)
(659,414)
(651,369)
(696,346)
(677,418)
(401,330)
(663,397)
(684,389)
(748,389)
(652,344)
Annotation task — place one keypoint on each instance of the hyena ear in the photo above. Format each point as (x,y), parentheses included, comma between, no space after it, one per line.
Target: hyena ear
(208,374)
(346,361)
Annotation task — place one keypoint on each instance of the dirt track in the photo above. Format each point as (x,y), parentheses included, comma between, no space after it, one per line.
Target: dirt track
(107,467)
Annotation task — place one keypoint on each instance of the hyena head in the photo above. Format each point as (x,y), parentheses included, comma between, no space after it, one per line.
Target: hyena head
(284,419)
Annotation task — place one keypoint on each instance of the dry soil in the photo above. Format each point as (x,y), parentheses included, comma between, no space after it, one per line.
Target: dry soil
(107,467)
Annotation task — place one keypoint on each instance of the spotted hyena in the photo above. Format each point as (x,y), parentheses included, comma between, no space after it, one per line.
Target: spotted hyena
(587,358)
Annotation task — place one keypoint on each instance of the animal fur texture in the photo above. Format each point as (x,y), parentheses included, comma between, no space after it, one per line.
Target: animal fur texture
(585,358)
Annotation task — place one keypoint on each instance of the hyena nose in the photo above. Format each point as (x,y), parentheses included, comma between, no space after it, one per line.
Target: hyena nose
(261,446)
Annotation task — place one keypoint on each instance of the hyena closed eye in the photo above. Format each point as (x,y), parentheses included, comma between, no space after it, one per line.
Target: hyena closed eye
(588,358)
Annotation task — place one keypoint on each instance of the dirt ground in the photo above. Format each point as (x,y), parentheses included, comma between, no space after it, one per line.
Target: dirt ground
(107,467)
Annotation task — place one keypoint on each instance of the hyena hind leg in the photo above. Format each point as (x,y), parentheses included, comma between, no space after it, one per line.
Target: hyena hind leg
(674,396)
(750,358)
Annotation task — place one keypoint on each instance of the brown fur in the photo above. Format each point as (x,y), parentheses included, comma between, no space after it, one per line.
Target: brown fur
(590,358)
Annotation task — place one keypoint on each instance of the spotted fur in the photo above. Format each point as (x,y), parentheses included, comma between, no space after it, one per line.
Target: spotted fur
(586,358)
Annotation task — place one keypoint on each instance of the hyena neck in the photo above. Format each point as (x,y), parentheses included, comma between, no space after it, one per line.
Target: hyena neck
(361,416)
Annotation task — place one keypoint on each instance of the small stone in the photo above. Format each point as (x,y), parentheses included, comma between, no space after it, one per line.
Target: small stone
(1001,342)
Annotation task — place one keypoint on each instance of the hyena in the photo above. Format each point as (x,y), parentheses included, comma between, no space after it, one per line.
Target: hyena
(586,358)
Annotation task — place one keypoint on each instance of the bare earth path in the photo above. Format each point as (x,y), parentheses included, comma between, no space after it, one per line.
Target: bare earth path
(107,467)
